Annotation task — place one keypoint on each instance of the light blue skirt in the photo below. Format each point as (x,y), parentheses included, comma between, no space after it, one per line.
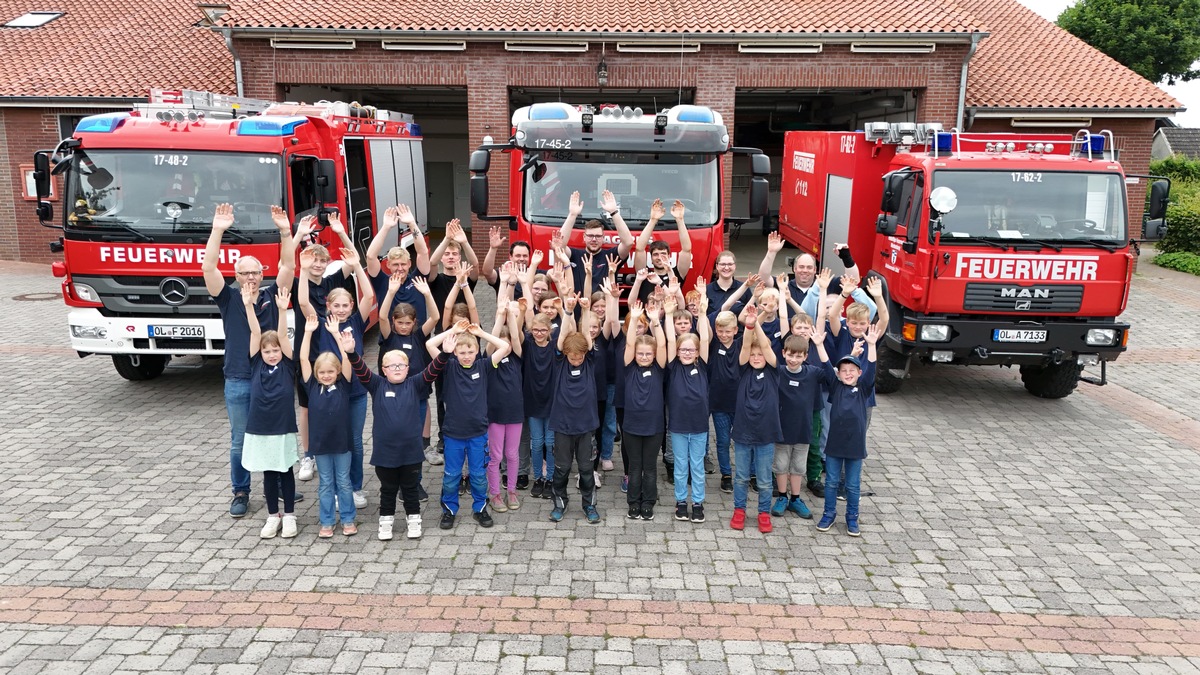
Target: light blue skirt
(269,453)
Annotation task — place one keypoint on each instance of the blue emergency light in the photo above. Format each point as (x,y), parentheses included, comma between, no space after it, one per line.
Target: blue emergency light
(695,113)
(103,124)
(414,129)
(269,126)
(944,141)
(1096,143)
(549,111)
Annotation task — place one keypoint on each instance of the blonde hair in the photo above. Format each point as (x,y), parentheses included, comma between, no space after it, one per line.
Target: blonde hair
(394,352)
(327,359)
(802,319)
(769,293)
(574,344)
(687,337)
(858,312)
(336,293)
(318,251)
(726,319)
(541,321)
(398,253)
(466,339)
(681,314)
(646,339)
(269,339)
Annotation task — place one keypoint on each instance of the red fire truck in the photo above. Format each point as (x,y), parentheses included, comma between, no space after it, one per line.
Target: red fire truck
(993,249)
(556,149)
(140,189)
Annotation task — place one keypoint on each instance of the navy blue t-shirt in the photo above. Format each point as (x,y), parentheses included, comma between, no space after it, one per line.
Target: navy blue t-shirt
(272,396)
(644,399)
(599,267)
(756,420)
(600,354)
(618,366)
(647,288)
(724,372)
(842,345)
(799,396)
(537,381)
(439,288)
(465,392)
(573,410)
(316,297)
(717,297)
(407,293)
(848,413)
(327,343)
(506,404)
(237,330)
(413,345)
(328,416)
(687,397)
(396,412)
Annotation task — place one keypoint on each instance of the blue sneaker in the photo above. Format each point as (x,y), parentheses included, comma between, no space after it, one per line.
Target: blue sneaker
(798,507)
(781,503)
(852,526)
(625,484)
(593,516)
(240,504)
(556,515)
(825,524)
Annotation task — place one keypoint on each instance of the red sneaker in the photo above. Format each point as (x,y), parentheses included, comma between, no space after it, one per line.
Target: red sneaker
(764,522)
(738,522)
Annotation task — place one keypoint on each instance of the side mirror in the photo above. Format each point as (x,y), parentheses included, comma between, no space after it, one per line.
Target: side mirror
(326,181)
(41,173)
(479,194)
(893,186)
(759,189)
(886,224)
(760,165)
(481,161)
(1154,229)
(1159,191)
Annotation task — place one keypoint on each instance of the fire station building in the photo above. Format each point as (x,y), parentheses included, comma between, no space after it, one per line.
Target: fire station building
(461,68)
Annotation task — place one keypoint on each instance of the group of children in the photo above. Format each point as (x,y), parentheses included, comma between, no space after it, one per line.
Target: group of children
(546,366)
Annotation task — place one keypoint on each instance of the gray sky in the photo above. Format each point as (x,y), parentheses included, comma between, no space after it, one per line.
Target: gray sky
(1187,93)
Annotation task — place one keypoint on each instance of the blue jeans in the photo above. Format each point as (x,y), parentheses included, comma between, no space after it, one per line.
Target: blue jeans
(334,473)
(761,456)
(723,425)
(689,452)
(358,419)
(837,471)
(237,406)
(541,447)
(475,452)
(608,426)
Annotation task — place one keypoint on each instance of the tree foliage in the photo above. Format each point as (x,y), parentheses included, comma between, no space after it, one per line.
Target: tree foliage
(1157,39)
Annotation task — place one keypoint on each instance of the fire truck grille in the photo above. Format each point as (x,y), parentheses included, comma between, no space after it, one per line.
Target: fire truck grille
(1013,298)
(134,295)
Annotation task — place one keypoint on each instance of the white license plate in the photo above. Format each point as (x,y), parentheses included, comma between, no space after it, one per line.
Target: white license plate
(1018,335)
(176,331)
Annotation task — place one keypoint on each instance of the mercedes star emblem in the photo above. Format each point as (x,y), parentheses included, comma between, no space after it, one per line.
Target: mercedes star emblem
(174,291)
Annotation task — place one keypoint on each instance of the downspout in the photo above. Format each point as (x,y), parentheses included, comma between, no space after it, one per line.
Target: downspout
(962,80)
(237,60)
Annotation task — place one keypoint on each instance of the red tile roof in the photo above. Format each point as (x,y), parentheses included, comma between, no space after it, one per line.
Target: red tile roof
(1028,62)
(111,48)
(584,16)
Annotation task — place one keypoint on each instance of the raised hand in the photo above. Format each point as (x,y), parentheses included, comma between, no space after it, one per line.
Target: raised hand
(514,307)
(248,296)
(613,261)
(390,217)
(495,237)
(346,341)
(223,217)
(657,210)
(311,323)
(824,279)
(587,260)
(349,256)
(670,305)
(462,326)
(305,227)
(874,332)
(283,296)
(280,218)
(585,302)
(475,330)
(781,281)
(677,210)
(335,222)
(610,288)
(523,305)
(460,235)
(464,274)
(331,325)
(576,206)
(307,258)
(818,331)
(421,285)
(407,217)
(395,282)
(535,259)
(774,242)
(449,343)
(751,319)
(570,301)
(636,309)
(849,283)
(753,280)
(875,287)
(858,348)
(558,305)
(642,273)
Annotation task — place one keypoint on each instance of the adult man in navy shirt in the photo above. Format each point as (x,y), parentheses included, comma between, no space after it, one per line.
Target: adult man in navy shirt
(593,240)
(249,272)
(519,253)
(399,260)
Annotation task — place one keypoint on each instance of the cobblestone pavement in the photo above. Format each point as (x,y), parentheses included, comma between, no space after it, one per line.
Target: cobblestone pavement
(1004,534)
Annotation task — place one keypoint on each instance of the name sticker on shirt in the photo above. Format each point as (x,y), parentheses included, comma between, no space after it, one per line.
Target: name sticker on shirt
(575,373)
(793,383)
(504,360)
(474,376)
(721,352)
(760,376)
(332,387)
(693,371)
(406,346)
(389,394)
(646,374)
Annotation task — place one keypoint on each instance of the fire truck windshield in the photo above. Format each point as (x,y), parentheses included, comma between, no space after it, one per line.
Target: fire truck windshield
(163,191)
(1037,205)
(637,179)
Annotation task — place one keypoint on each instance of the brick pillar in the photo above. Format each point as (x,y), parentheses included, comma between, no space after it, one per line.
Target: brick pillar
(487,115)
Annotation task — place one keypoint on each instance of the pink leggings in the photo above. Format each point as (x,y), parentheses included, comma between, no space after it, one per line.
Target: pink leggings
(503,439)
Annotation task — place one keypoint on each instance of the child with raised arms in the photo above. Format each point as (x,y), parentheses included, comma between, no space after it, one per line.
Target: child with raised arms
(573,415)
(506,408)
(756,420)
(644,424)
(327,383)
(407,333)
(687,403)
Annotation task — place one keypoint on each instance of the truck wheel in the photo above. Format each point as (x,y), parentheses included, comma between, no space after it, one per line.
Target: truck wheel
(138,367)
(1052,381)
(889,371)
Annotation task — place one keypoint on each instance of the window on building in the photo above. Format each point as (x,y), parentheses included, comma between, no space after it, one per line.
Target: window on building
(33,19)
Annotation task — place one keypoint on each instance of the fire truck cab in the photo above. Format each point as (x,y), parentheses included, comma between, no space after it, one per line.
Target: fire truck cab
(141,186)
(556,149)
(993,249)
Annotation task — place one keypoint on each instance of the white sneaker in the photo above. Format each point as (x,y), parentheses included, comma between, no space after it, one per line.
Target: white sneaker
(308,468)
(433,456)
(414,526)
(271,528)
(606,464)
(599,478)
(385,527)
(289,526)
(360,500)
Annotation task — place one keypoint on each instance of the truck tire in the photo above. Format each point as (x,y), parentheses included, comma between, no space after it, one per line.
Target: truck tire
(138,367)
(1053,381)
(889,370)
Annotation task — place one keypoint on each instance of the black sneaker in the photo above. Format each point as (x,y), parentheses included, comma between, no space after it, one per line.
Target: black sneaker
(484,518)
(522,482)
(697,513)
(726,483)
(817,488)
(421,493)
(447,521)
(298,498)
(547,490)
(538,486)
(681,511)
(635,512)
(647,513)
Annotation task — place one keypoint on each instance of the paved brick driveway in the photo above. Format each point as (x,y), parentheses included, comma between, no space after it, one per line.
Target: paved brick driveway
(1006,533)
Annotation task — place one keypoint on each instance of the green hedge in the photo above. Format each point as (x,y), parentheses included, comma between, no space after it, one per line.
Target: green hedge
(1183,228)
(1182,261)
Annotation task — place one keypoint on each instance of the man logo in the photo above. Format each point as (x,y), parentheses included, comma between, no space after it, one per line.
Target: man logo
(1021,292)
(1023,305)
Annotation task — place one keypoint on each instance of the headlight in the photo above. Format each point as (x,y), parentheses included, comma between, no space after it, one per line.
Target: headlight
(89,332)
(85,292)
(1101,337)
(935,332)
